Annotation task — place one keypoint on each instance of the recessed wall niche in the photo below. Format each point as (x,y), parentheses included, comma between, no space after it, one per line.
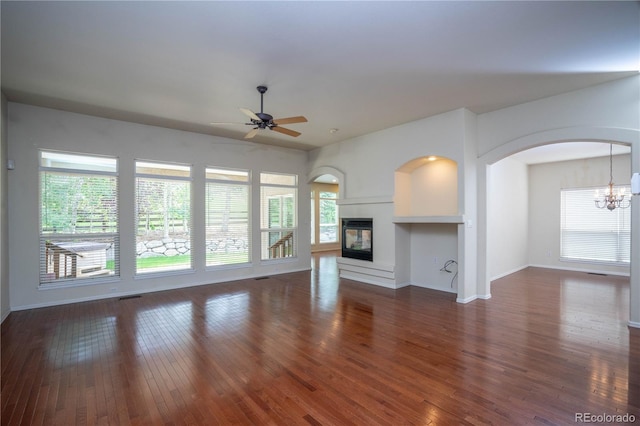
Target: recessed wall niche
(427,186)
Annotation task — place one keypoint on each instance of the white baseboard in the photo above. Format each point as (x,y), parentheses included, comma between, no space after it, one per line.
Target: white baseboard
(634,324)
(513,271)
(444,289)
(467,299)
(592,271)
(5,315)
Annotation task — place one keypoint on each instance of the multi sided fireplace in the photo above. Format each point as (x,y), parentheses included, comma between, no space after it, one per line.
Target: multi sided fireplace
(357,238)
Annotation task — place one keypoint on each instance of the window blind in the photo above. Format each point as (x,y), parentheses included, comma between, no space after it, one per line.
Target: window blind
(592,234)
(227,217)
(163,217)
(78,218)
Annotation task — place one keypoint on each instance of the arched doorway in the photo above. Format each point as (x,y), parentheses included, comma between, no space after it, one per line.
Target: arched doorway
(326,190)
(627,137)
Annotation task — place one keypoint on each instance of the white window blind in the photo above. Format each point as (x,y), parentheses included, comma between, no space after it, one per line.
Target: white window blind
(78,218)
(163,217)
(592,234)
(228,240)
(278,215)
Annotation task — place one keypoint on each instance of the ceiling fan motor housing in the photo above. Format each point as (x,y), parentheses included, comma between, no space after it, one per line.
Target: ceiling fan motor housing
(264,116)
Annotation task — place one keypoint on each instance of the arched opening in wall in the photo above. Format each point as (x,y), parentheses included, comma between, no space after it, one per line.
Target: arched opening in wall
(426,186)
(325,215)
(541,209)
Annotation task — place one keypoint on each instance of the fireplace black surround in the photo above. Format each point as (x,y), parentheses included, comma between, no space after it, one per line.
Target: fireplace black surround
(357,238)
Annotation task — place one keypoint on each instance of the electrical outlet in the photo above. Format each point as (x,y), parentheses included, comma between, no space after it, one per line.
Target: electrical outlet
(548,253)
(436,260)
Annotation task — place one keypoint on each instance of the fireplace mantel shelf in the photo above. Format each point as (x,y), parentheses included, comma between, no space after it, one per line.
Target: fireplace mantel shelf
(428,219)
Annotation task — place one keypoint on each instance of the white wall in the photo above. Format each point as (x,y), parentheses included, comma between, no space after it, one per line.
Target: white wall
(33,128)
(434,189)
(610,105)
(4,226)
(545,182)
(508,200)
(431,246)
(370,163)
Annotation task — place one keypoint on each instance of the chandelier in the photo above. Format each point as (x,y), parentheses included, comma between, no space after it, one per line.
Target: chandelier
(611,200)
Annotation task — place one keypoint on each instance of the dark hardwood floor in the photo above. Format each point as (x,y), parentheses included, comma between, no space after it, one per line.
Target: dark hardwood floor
(308,348)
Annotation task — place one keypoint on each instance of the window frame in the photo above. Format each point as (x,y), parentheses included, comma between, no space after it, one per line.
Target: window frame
(265,199)
(169,165)
(334,199)
(43,245)
(246,183)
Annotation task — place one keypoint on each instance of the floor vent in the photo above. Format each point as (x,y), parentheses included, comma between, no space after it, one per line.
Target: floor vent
(262,278)
(134,296)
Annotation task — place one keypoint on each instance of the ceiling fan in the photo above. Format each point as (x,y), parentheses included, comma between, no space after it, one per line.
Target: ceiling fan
(262,120)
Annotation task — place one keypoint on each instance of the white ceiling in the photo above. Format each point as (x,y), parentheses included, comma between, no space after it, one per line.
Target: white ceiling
(354,66)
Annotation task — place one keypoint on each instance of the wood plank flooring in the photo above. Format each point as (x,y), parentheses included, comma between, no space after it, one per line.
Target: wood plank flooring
(308,348)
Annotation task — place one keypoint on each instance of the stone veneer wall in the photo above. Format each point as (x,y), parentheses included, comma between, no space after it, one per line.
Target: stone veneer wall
(163,247)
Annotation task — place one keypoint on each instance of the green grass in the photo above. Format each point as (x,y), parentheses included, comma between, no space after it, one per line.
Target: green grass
(157,262)
(163,262)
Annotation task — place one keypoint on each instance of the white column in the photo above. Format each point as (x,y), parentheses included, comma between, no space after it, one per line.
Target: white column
(634,292)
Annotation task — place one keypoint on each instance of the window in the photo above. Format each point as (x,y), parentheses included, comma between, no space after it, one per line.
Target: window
(163,217)
(228,228)
(324,214)
(278,218)
(592,234)
(78,217)
(328,214)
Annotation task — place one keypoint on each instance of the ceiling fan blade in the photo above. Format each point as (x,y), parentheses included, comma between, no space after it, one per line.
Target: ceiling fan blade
(251,133)
(222,123)
(252,115)
(286,131)
(290,120)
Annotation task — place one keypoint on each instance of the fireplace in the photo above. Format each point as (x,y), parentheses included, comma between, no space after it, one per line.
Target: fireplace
(357,239)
